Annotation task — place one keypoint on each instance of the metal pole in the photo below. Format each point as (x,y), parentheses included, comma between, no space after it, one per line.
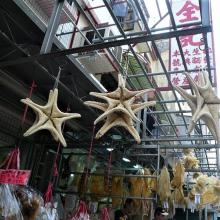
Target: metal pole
(158,160)
(52,27)
(144,135)
(168,72)
(187,185)
(206,213)
(138,122)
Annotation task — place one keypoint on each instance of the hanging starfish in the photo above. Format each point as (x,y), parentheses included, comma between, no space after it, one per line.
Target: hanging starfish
(49,117)
(204,104)
(119,109)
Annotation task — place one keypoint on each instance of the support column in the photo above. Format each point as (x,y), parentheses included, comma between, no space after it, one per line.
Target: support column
(205,12)
(52,27)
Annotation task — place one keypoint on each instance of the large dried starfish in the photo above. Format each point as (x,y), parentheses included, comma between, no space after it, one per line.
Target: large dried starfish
(119,109)
(204,104)
(49,117)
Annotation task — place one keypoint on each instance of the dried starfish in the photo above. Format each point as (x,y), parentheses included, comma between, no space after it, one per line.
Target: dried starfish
(49,117)
(119,109)
(204,104)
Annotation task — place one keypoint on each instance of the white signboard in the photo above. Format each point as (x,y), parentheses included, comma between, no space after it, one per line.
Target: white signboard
(188,11)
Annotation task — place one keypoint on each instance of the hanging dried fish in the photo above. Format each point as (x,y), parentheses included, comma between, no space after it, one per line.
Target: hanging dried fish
(153,183)
(97,187)
(164,187)
(117,190)
(177,184)
(191,162)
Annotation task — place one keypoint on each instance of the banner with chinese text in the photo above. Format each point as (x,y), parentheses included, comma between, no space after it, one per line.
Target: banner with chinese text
(185,12)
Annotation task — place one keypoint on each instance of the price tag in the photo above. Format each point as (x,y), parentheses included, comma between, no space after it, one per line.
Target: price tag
(15,177)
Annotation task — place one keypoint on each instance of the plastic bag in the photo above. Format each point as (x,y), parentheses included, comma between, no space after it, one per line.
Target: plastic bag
(9,205)
(30,202)
(81,212)
(42,214)
(105,214)
(48,212)
(51,210)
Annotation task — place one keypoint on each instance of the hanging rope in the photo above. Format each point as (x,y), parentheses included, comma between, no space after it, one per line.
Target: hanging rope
(88,160)
(55,173)
(23,117)
(49,193)
(126,67)
(59,148)
(55,86)
(109,169)
(33,86)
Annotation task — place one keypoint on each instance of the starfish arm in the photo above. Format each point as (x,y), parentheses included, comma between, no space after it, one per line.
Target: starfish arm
(128,124)
(101,106)
(44,108)
(134,133)
(206,91)
(67,116)
(210,117)
(55,112)
(139,106)
(129,109)
(114,95)
(214,110)
(199,98)
(121,81)
(57,134)
(48,125)
(211,126)
(100,95)
(36,125)
(206,116)
(47,109)
(57,123)
(206,81)
(118,109)
(191,126)
(193,84)
(107,125)
(191,100)
(54,135)
(133,108)
(128,94)
(141,92)
(114,121)
(31,104)
(40,119)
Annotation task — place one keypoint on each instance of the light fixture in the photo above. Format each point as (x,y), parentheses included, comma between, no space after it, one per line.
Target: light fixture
(126,159)
(137,166)
(116,137)
(109,149)
(71,175)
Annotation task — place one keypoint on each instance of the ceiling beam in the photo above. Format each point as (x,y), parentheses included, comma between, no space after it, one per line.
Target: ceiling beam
(109,44)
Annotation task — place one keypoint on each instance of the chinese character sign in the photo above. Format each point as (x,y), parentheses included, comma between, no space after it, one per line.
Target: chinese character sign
(188,11)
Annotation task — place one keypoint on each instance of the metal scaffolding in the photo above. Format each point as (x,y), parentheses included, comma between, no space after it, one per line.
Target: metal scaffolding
(149,35)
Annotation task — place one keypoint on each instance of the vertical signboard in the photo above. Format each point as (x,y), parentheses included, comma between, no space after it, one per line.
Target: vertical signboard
(187,12)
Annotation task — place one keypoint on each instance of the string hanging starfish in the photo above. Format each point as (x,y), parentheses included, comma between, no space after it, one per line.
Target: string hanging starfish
(49,117)
(119,109)
(204,104)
